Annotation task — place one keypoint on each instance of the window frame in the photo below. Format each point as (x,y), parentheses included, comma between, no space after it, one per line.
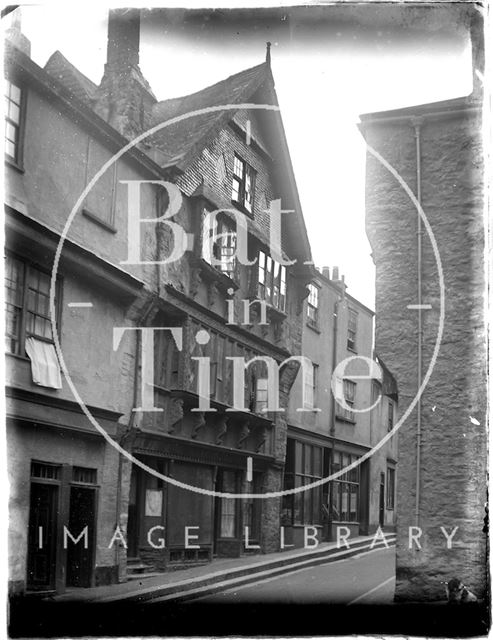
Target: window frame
(390,492)
(222,225)
(312,304)
(349,399)
(390,415)
(349,480)
(23,333)
(271,286)
(18,160)
(352,329)
(305,508)
(247,171)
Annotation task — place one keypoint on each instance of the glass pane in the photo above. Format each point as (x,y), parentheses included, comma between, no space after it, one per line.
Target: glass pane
(298,459)
(307,509)
(10,131)
(353,508)
(344,501)
(14,112)
(308,459)
(15,93)
(10,148)
(317,461)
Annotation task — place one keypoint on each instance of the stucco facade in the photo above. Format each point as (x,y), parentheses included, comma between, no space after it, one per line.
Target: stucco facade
(62,471)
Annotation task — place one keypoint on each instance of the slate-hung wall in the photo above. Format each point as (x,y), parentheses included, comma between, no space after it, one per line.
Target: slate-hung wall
(452,486)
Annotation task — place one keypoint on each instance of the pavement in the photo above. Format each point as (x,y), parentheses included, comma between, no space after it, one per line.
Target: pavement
(222,574)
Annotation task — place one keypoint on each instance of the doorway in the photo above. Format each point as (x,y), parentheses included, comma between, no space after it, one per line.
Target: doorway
(41,556)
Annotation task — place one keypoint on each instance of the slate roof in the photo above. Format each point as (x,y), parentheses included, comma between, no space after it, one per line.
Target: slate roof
(76,82)
(179,142)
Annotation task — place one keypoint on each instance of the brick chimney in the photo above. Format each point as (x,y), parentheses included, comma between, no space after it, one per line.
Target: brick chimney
(124,97)
(14,33)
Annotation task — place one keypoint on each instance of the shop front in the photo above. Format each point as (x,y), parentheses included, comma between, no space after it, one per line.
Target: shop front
(170,526)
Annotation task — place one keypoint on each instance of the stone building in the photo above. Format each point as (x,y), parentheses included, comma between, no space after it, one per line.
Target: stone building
(436,149)
(69,485)
(337,425)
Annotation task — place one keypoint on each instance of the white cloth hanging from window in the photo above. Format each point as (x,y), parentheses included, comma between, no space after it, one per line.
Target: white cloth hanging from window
(44,363)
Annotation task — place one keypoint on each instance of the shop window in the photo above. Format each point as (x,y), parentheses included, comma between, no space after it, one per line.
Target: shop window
(312,305)
(271,281)
(345,489)
(390,488)
(303,466)
(227,527)
(352,327)
(219,242)
(243,187)
(14,121)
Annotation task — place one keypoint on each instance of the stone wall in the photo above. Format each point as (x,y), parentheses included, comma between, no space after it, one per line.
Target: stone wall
(453,449)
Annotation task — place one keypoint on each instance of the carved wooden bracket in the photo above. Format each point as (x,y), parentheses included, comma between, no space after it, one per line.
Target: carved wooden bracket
(279,332)
(263,438)
(221,428)
(245,432)
(195,281)
(198,423)
(175,414)
(212,293)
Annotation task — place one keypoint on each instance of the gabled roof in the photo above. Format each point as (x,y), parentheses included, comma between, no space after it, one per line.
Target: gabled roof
(76,82)
(182,141)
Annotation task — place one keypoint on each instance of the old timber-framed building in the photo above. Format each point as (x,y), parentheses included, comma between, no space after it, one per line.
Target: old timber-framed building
(61,129)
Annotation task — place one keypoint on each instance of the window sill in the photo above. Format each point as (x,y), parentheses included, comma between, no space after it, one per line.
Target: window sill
(212,274)
(18,166)
(242,209)
(344,419)
(314,327)
(97,220)
(17,356)
(272,311)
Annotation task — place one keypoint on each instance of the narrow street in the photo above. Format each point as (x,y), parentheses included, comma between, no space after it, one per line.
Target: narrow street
(363,579)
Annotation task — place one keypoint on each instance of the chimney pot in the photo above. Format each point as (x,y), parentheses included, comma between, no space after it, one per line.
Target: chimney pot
(326,272)
(335,273)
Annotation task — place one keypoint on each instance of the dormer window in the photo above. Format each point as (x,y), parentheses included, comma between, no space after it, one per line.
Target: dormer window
(271,281)
(243,184)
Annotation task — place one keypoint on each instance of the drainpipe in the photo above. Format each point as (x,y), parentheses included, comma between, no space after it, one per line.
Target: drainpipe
(332,402)
(417,124)
(131,422)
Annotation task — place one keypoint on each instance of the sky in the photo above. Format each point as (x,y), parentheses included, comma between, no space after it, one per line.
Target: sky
(330,64)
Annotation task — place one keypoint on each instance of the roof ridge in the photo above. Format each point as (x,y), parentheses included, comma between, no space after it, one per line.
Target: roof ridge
(215,84)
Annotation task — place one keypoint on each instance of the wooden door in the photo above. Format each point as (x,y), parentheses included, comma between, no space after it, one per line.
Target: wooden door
(41,557)
(80,557)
